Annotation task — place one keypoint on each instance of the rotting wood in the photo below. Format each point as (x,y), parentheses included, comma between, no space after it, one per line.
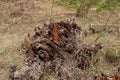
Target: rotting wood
(53,51)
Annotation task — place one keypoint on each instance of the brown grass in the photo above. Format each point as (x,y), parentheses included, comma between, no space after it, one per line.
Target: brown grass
(17,21)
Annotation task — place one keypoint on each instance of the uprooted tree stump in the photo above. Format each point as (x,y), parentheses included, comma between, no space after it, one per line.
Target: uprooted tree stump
(54,51)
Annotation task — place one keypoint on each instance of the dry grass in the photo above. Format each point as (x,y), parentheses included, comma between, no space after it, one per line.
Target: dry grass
(17,21)
(9,53)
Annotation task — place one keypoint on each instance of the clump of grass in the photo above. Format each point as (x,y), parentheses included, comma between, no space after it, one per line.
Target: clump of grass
(111,56)
(69,3)
(99,4)
(47,77)
(103,38)
(94,68)
(107,4)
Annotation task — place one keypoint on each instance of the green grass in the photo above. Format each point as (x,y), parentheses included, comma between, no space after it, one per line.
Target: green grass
(103,38)
(69,3)
(48,78)
(10,40)
(99,4)
(94,69)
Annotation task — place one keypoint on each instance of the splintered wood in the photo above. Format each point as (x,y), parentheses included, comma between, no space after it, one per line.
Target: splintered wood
(54,33)
(53,51)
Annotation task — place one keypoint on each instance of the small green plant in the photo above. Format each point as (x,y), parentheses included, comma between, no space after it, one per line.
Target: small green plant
(45,77)
(94,69)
